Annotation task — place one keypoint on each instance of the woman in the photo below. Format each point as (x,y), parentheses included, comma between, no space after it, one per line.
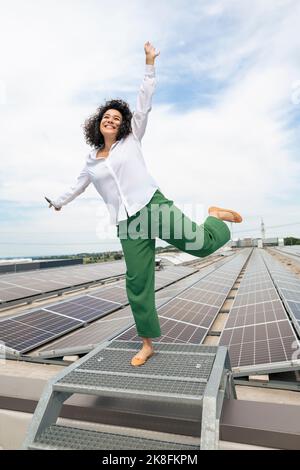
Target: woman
(117,169)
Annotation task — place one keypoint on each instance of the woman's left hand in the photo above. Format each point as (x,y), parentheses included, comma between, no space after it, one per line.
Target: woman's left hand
(150,52)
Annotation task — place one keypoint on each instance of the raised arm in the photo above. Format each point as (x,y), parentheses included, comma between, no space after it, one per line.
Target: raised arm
(80,185)
(144,99)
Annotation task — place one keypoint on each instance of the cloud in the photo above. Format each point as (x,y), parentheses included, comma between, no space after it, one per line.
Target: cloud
(224,125)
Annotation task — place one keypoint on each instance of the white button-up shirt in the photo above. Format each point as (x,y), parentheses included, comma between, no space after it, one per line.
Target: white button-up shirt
(122,178)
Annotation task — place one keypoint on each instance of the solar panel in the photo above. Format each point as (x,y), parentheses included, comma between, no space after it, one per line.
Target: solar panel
(291,294)
(259,344)
(172,332)
(47,321)
(85,308)
(288,285)
(255,297)
(61,317)
(104,329)
(17,334)
(258,331)
(255,286)
(203,296)
(181,314)
(20,337)
(295,308)
(43,325)
(112,324)
(255,313)
(101,330)
(17,287)
(213,287)
(112,294)
(12,293)
(194,313)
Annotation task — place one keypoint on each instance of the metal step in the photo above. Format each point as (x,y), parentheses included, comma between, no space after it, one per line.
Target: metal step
(176,373)
(57,437)
(181,381)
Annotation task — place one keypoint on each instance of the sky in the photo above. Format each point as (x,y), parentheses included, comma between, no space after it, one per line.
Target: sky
(223,129)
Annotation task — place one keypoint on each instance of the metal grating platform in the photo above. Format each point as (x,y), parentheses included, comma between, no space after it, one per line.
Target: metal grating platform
(195,366)
(181,381)
(170,347)
(61,437)
(171,373)
(123,385)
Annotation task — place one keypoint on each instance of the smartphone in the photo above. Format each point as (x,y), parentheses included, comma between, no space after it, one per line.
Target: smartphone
(50,202)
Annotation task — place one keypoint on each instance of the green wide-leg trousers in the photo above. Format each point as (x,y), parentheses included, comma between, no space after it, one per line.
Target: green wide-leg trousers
(162,219)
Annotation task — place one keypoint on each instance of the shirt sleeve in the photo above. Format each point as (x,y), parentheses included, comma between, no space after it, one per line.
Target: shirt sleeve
(144,103)
(82,182)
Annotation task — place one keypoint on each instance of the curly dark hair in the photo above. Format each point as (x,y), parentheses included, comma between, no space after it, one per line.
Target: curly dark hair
(91,126)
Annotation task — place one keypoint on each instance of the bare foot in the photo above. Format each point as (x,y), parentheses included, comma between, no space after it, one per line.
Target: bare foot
(142,356)
(225,214)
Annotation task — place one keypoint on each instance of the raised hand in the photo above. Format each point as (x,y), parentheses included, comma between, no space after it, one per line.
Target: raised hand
(150,52)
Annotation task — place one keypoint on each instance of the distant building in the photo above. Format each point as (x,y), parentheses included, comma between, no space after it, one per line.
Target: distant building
(26,264)
(270,241)
(259,242)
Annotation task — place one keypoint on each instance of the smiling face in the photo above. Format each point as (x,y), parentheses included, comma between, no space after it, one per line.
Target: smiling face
(110,123)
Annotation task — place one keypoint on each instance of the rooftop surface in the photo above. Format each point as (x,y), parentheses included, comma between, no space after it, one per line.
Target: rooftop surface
(248,301)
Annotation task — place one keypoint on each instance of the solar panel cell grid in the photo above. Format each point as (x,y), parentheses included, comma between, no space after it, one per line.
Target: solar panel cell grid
(258,330)
(189,312)
(172,332)
(292,286)
(22,337)
(202,296)
(256,297)
(256,313)
(212,287)
(255,287)
(48,280)
(85,309)
(289,288)
(89,307)
(295,308)
(96,333)
(10,294)
(62,317)
(114,294)
(272,342)
(224,280)
(47,321)
(291,295)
